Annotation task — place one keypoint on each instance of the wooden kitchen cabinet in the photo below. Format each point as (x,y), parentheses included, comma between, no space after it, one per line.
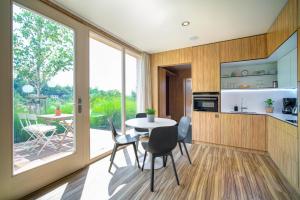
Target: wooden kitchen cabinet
(282,147)
(283,27)
(206,127)
(248,48)
(206,68)
(245,131)
(287,68)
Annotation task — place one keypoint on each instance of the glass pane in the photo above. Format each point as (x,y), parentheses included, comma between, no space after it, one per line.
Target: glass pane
(105,95)
(131,86)
(43,67)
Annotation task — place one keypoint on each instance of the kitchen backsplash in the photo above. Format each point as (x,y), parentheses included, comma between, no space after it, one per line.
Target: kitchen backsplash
(254,99)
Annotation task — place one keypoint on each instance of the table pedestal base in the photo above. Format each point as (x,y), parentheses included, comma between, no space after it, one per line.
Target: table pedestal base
(157,164)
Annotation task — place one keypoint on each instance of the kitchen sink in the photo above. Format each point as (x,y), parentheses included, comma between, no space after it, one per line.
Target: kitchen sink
(238,112)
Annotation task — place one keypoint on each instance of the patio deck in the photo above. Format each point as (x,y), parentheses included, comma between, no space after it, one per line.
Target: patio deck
(24,158)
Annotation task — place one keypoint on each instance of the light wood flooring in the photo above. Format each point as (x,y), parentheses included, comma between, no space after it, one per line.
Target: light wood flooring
(216,173)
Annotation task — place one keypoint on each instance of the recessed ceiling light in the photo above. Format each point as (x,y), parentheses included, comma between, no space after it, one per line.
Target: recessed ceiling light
(185,23)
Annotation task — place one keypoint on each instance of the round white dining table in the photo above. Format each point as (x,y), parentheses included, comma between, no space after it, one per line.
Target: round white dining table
(143,123)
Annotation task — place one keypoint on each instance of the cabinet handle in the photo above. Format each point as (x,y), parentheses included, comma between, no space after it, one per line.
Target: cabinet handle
(216,115)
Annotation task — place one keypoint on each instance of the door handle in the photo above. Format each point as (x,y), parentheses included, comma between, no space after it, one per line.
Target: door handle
(79,105)
(216,115)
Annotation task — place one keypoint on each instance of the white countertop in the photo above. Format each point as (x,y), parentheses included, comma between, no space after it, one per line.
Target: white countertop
(279,116)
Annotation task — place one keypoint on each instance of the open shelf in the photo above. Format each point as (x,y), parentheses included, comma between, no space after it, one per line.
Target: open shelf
(248,76)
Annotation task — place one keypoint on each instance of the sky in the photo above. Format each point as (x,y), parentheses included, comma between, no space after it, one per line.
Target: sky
(105,69)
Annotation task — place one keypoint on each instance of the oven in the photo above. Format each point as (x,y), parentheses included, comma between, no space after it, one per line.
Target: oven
(207,102)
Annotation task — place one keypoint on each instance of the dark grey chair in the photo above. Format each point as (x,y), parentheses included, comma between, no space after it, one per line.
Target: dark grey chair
(183,129)
(121,140)
(141,131)
(161,143)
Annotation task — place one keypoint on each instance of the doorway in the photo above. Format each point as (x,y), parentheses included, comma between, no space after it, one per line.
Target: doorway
(175,91)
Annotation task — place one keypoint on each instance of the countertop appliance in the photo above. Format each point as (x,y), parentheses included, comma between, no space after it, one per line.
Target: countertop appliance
(289,105)
(208,102)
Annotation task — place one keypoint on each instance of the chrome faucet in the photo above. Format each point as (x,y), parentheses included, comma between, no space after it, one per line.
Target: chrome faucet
(242,107)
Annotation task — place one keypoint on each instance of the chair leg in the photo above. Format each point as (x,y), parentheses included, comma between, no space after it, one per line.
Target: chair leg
(173,163)
(165,159)
(113,156)
(187,153)
(152,173)
(112,153)
(136,156)
(180,148)
(144,160)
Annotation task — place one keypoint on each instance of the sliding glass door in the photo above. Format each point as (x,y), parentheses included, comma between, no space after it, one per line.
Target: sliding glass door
(43,89)
(105,94)
(110,82)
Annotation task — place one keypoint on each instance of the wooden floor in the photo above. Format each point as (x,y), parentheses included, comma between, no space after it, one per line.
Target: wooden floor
(216,173)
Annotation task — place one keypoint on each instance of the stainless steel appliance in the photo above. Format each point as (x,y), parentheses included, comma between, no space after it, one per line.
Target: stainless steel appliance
(289,105)
(208,102)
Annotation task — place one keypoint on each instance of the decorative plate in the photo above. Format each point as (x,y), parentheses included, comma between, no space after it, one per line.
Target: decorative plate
(244,72)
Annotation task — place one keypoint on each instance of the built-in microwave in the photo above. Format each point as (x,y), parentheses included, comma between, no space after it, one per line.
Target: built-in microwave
(208,102)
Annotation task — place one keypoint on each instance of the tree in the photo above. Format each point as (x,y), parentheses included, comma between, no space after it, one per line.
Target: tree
(41,48)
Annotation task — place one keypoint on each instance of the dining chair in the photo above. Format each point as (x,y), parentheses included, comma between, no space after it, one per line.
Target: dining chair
(141,131)
(161,143)
(183,130)
(121,140)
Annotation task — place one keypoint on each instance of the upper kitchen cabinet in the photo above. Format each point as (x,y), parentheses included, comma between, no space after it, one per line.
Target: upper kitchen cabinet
(287,68)
(283,27)
(277,71)
(206,68)
(248,48)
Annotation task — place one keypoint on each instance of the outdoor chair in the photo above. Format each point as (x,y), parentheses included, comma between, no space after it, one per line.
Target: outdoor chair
(68,125)
(37,131)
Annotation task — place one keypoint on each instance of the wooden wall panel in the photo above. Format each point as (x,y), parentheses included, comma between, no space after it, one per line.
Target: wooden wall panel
(283,27)
(206,68)
(248,48)
(173,57)
(168,58)
(206,127)
(298,57)
(282,147)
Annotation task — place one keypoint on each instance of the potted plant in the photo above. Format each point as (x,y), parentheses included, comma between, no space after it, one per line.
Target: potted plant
(150,114)
(57,111)
(269,105)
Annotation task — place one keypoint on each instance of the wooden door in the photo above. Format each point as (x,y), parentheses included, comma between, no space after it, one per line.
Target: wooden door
(206,68)
(188,97)
(162,90)
(206,127)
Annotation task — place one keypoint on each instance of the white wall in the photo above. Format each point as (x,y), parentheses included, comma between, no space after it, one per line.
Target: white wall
(254,99)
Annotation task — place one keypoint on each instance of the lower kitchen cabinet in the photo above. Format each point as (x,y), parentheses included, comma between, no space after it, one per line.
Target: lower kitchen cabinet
(245,131)
(282,147)
(206,127)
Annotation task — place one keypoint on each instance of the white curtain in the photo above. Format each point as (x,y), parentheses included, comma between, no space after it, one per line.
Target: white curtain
(144,93)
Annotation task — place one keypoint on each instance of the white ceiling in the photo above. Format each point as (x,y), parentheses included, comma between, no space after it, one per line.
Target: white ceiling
(155,25)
